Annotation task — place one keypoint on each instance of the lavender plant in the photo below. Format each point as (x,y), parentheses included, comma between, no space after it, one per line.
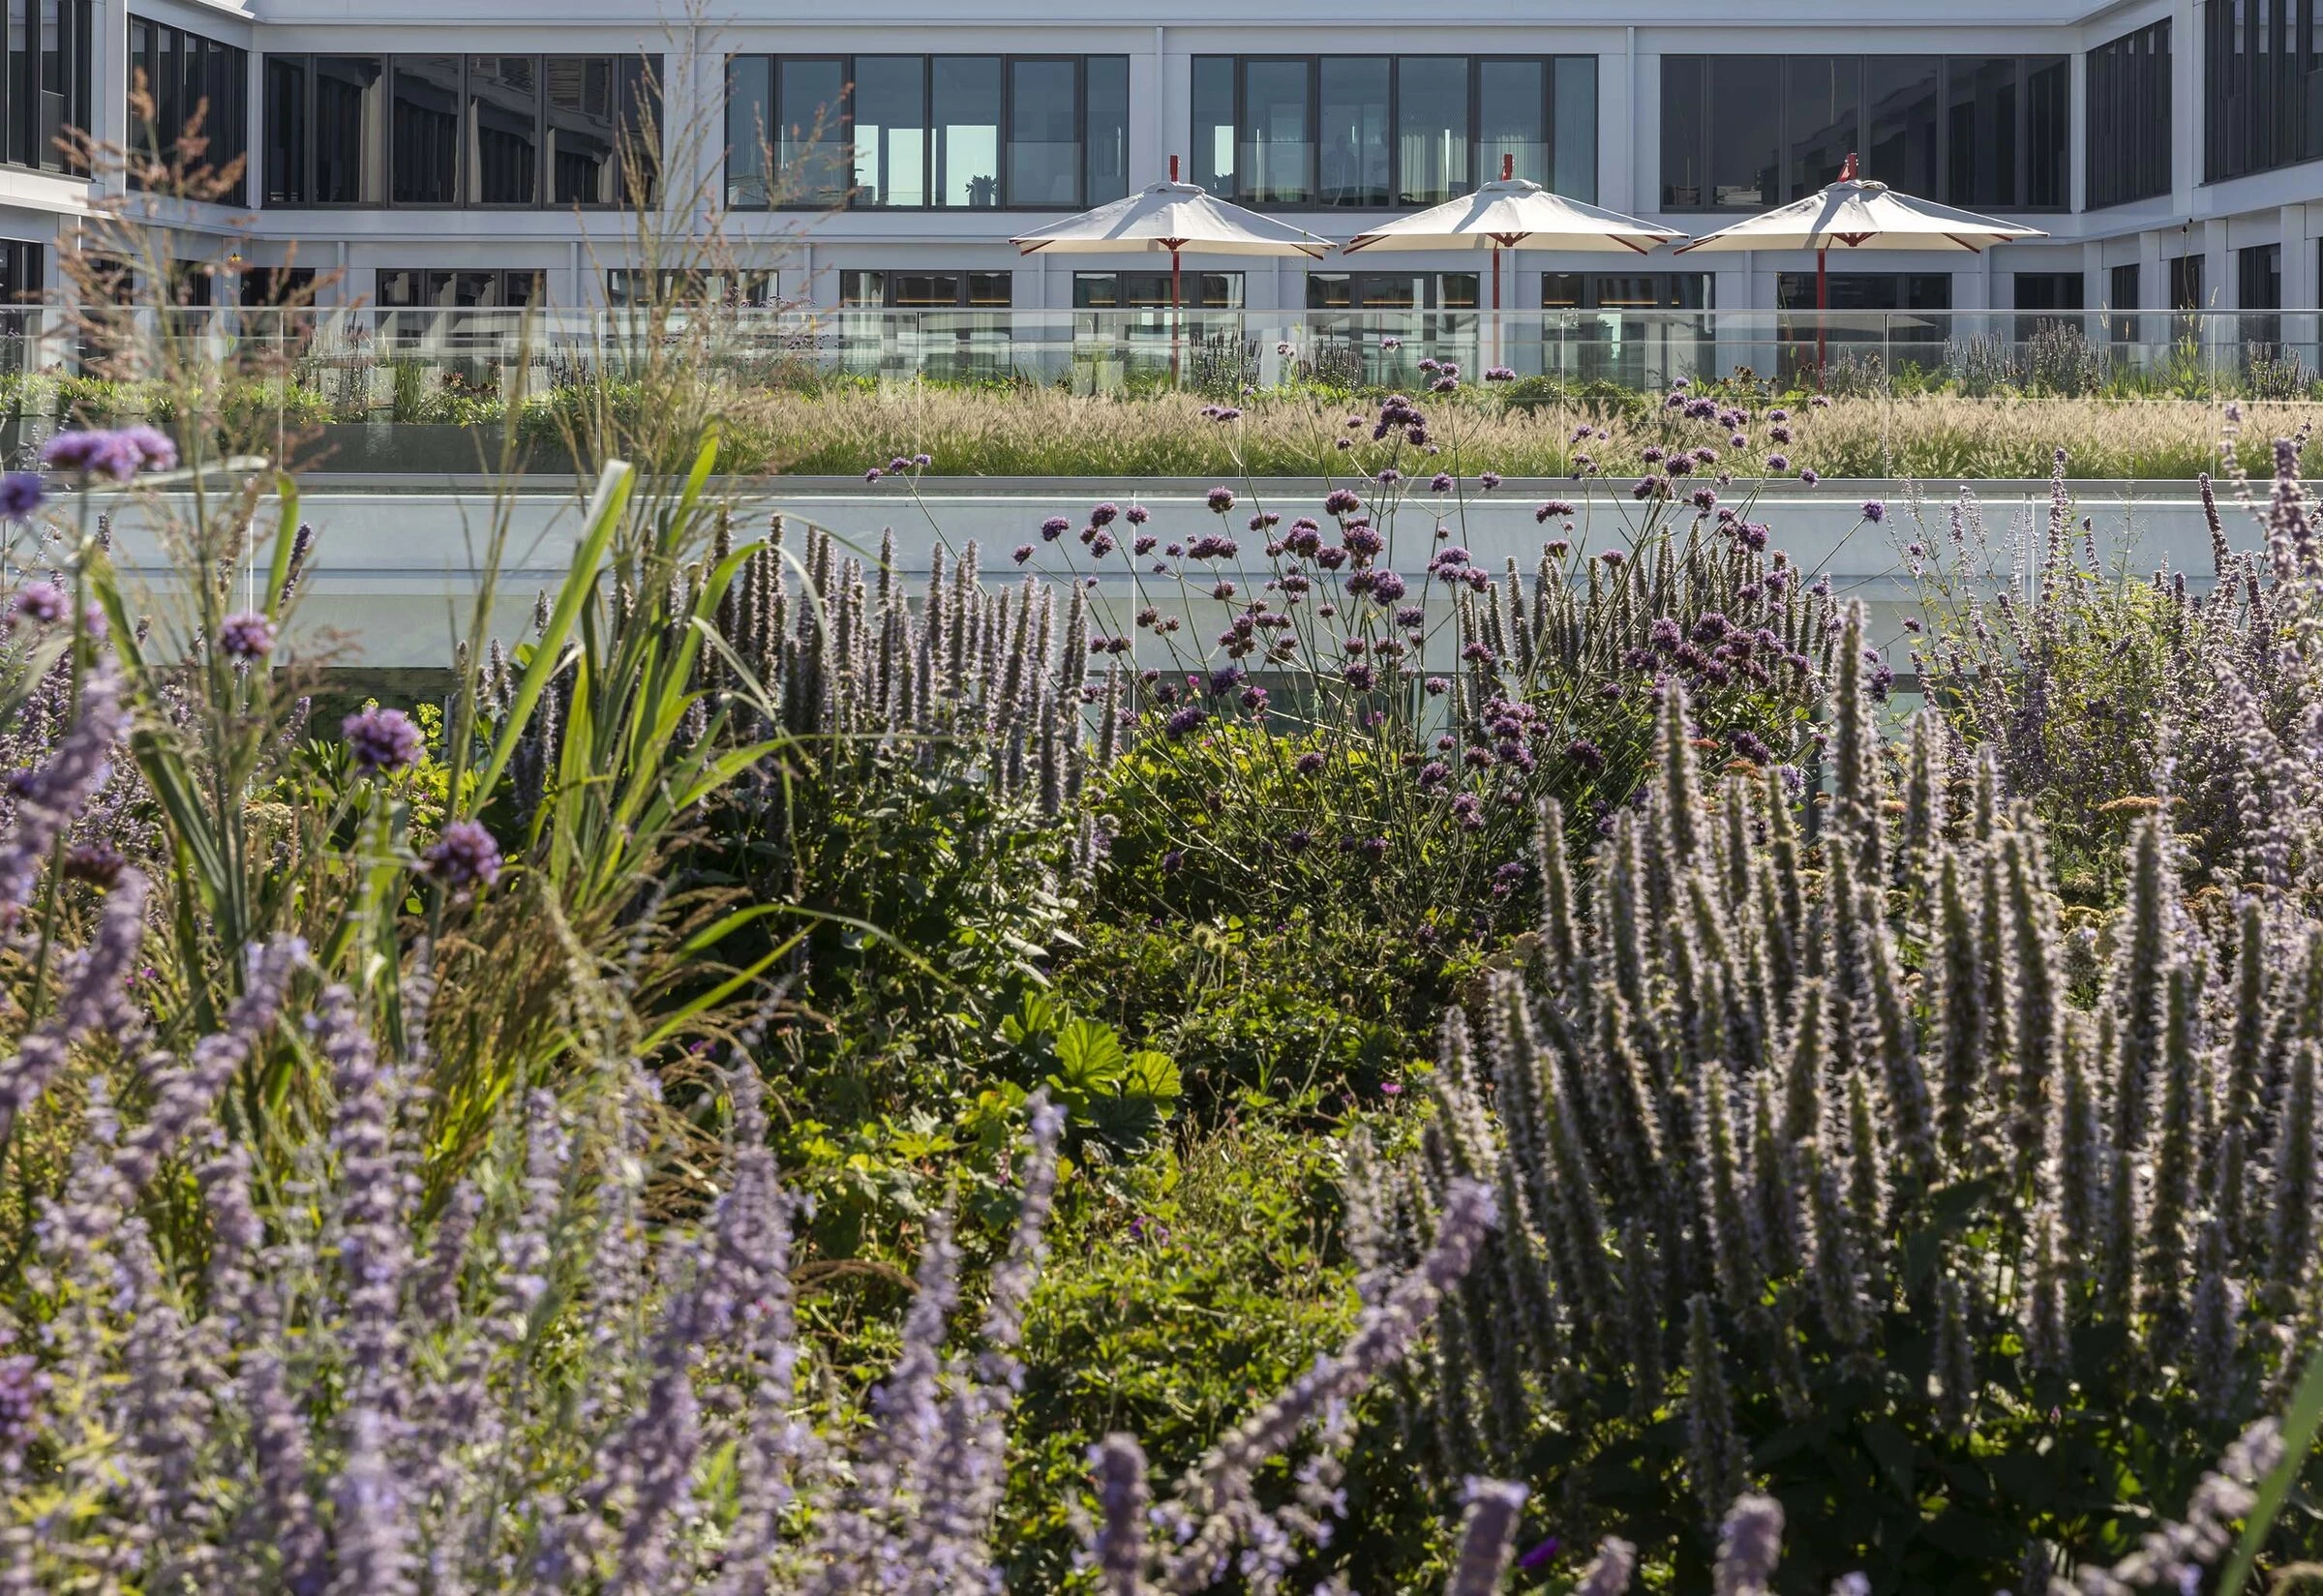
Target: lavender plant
(2103,695)
(1824,1174)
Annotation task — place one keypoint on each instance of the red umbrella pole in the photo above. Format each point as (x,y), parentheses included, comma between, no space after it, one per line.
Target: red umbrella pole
(1176,321)
(1495,299)
(1822,310)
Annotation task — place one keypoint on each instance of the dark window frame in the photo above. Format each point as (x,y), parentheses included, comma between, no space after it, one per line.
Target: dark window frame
(1585,291)
(852,289)
(1706,132)
(2257,89)
(777,118)
(650,84)
(1239,66)
(205,72)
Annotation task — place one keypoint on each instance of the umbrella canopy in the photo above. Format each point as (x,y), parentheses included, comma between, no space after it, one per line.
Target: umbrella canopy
(1172,216)
(1514,214)
(1856,213)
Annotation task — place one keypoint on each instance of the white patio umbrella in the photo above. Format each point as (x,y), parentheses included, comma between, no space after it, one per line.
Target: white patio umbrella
(1176,216)
(1510,214)
(1857,213)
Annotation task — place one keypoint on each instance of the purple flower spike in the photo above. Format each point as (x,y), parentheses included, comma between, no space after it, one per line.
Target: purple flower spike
(40,602)
(1875,511)
(382,741)
(1220,500)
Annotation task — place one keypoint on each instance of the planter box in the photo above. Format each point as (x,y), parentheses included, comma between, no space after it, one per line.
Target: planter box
(391,449)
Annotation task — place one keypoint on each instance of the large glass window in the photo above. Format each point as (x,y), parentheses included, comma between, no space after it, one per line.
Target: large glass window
(1512,128)
(2129,122)
(1745,131)
(2263,100)
(909,131)
(423,158)
(1044,134)
(1376,131)
(443,130)
(919,291)
(966,94)
(1626,290)
(1431,129)
(1150,291)
(1355,120)
(187,79)
(1278,147)
(1105,128)
(1746,151)
(504,129)
(890,129)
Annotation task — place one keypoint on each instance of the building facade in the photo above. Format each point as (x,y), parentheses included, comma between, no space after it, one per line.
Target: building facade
(423,153)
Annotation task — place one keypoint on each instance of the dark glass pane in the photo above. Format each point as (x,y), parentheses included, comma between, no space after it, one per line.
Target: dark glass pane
(966,117)
(350,147)
(583,149)
(889,132)
(1511,120)
(923,291)
(425,160)
(143,131)
(1899,94)
(1105,128)
(1456,291)
(168,81)
(1277,163)
(1928,291)
(1431,129)
(2048,134)
(1096,290)
(750,132)
(2185,283)
(1213,164)
(1575,166)
(1683,159)
(1354,145)
(1980,131)
(1330,291)
(1044,134)
(1560,290)
(1826,101)
(809,149)
(637,143)
(52,85)
(993,290)
(503,107)
(1745,131)
(286,130)
(2259,271)
(860,289)
(2047,290)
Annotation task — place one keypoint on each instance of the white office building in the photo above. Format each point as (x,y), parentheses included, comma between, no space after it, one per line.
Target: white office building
(446,153)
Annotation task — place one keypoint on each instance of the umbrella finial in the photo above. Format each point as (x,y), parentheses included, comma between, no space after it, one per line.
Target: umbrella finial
(1174,168)
(1847,174)
(1508,164)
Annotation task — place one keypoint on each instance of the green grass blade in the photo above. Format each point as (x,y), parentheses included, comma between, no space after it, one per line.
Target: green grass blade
(2299,1426)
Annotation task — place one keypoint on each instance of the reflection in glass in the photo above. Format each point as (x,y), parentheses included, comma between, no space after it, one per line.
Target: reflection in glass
(890,129)
(1105,128)
(350,116)
(750,132)
(1980,131)
(1509,120)
(286,130)
(426,158)
(1683,186)
(2048,133)
(503,108)
(967,123)
(1214,123)
(1575,172)
(1277,157)
(1431,129)
(1044,146)
(1825,100)
(1745,156)
(1354,146)
(1900,95)
(809,147)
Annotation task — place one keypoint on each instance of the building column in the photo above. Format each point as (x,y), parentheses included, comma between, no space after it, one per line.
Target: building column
(2152,289)
(2185,106)
(2220,292)
(2299,288)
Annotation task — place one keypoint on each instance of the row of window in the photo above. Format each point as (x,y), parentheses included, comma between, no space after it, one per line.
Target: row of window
(45,80)
(1378,133)
(922,131)
(1745,131)
(501,131)
(2264,104)
(186,77)
(2127,98)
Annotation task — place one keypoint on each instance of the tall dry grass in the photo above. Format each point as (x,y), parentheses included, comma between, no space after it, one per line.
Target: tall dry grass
(1037,431)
